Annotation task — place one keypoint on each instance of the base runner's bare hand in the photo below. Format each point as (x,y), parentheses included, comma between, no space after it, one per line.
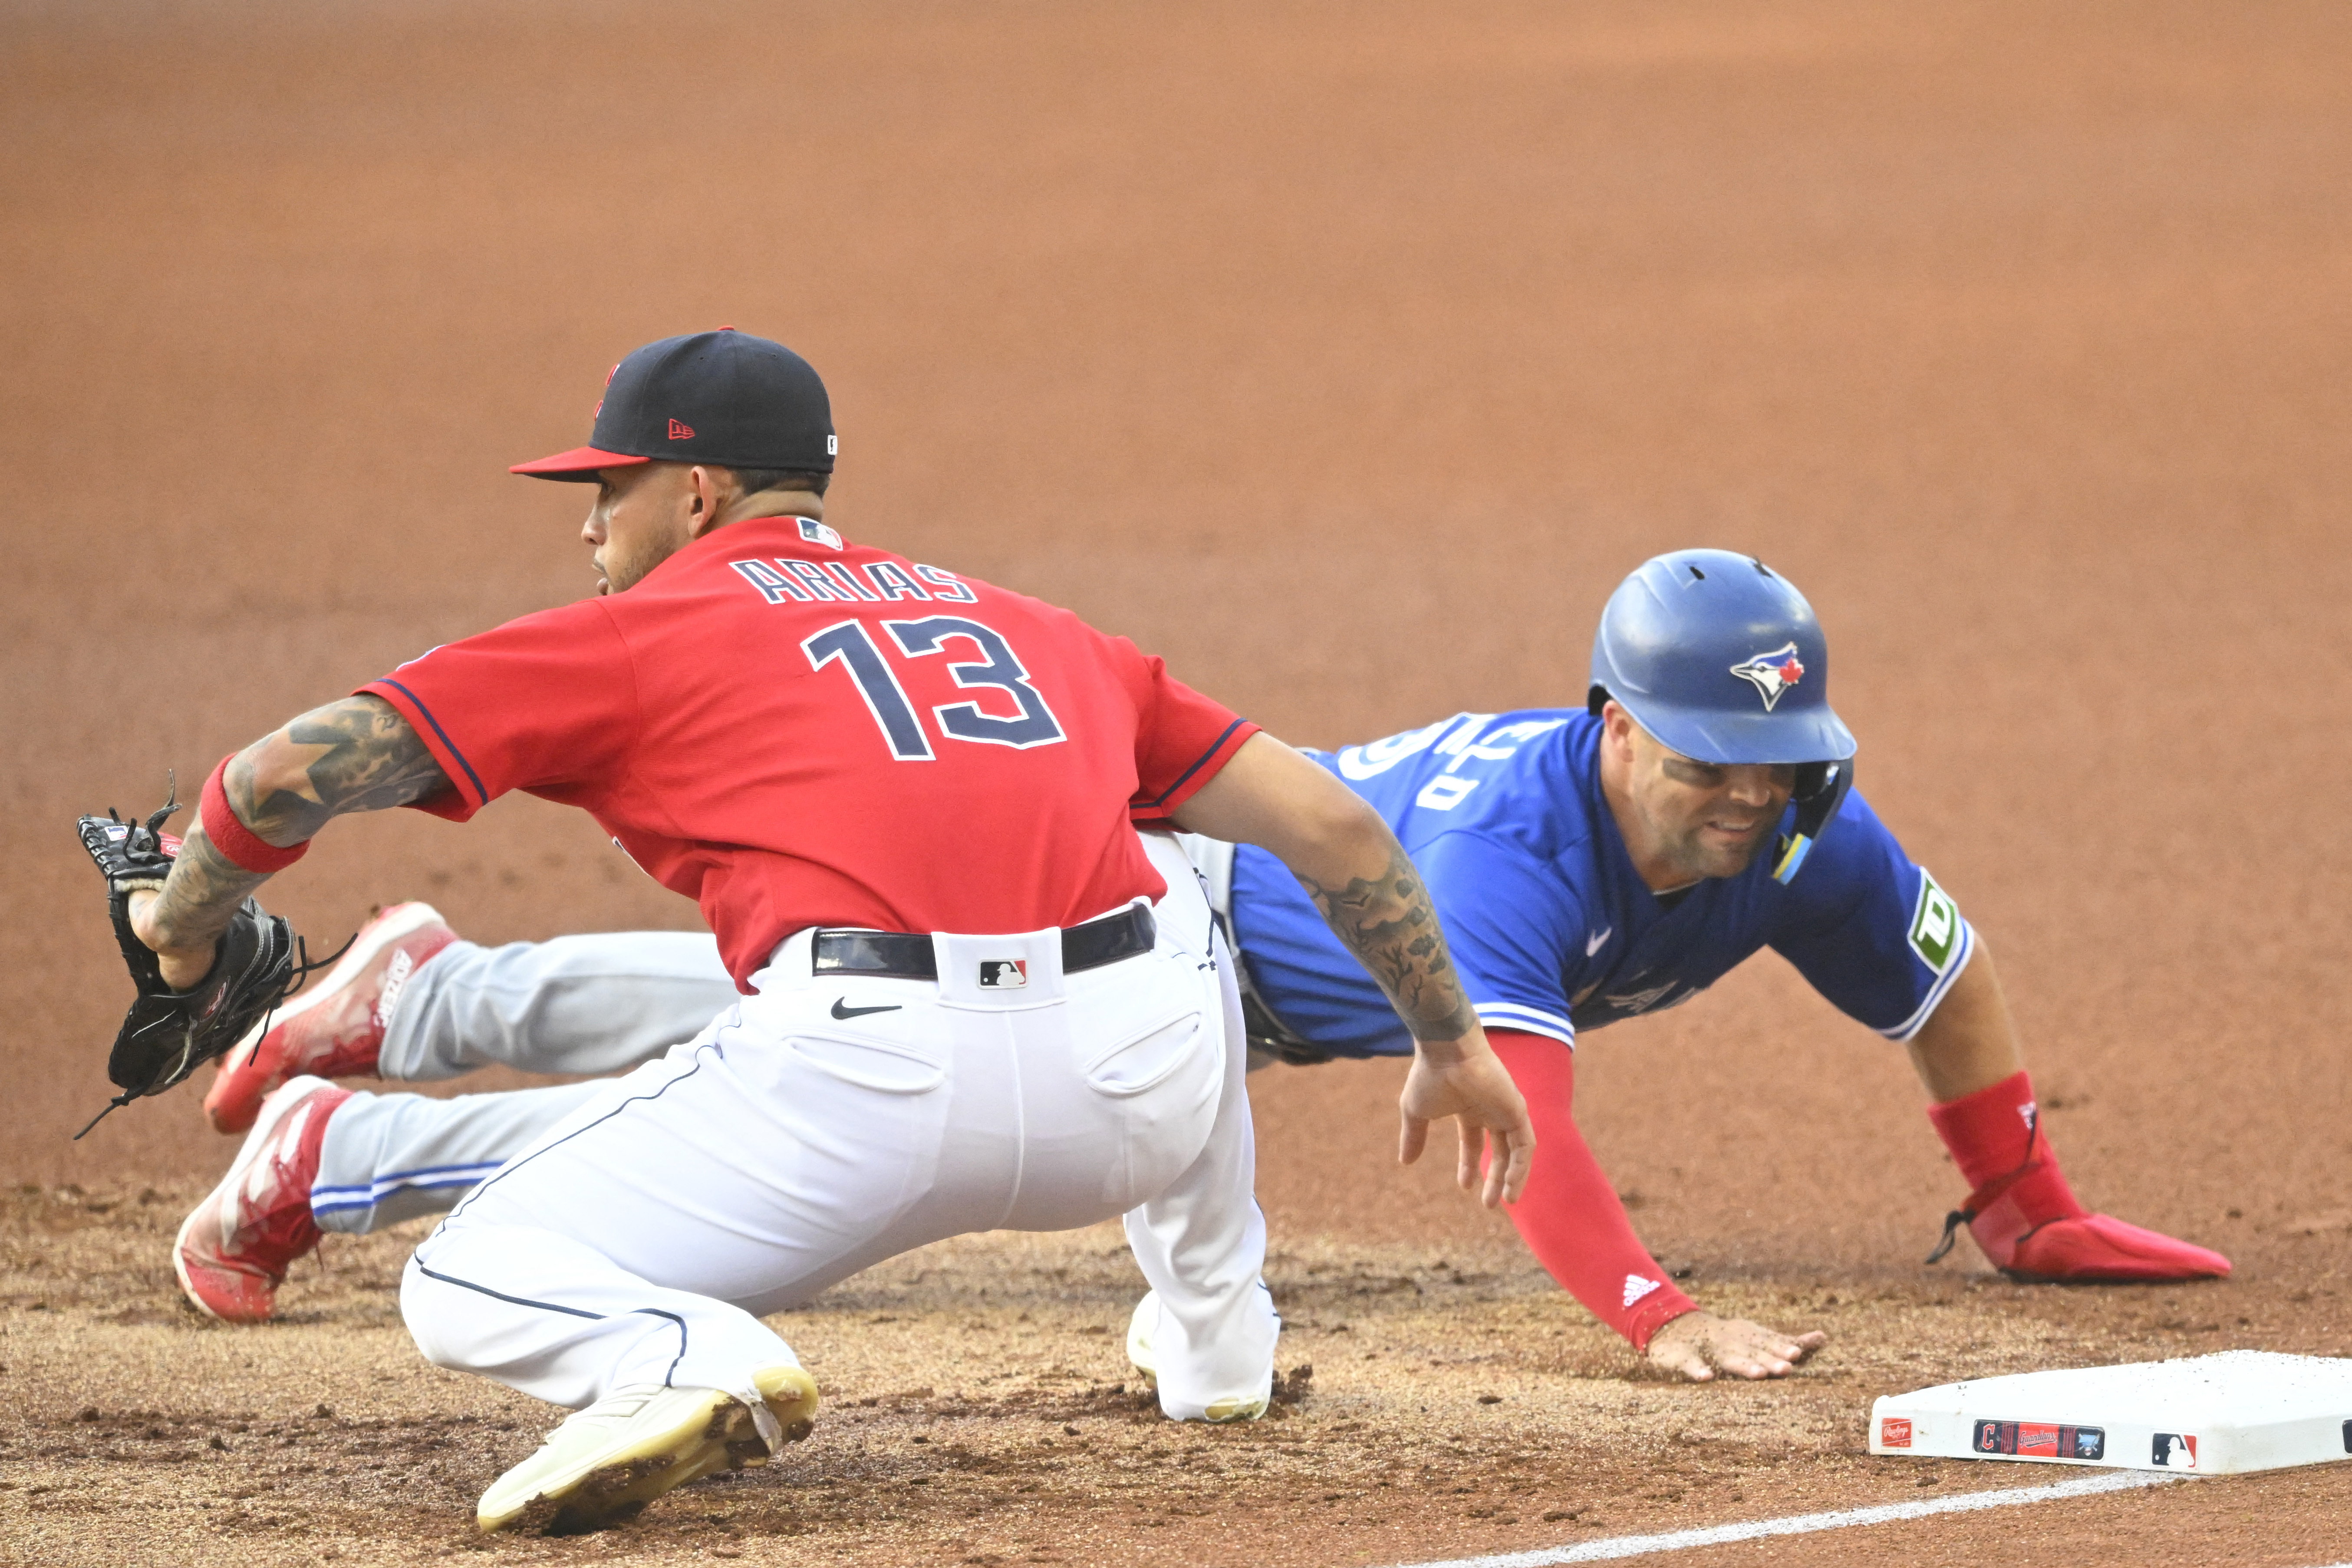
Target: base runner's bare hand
(1698,1344)
(1473,1086)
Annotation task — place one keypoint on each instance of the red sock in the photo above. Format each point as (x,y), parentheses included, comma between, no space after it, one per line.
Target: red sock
(1569,1215)
(2014,1183)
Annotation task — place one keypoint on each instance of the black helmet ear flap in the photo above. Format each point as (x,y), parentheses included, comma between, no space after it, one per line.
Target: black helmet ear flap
(1820,791)
(1596,699)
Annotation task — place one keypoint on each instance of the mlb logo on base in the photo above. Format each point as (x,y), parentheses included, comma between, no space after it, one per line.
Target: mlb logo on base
(1004,973)
(2174,1451)
(1893,1433)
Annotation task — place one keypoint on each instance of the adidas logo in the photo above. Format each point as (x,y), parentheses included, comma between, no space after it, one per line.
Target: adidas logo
(395,977)
(680,432)
(1636,1288)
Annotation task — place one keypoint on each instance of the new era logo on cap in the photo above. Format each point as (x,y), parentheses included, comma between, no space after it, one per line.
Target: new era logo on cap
(680,431)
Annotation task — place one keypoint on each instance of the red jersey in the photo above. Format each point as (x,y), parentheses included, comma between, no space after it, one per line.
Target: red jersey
(794,730)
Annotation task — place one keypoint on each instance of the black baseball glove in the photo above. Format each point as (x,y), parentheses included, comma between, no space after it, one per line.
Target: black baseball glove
(168,1034)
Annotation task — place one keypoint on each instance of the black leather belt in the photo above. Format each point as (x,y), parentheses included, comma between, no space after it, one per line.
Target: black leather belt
(895,955)
(1265,1029)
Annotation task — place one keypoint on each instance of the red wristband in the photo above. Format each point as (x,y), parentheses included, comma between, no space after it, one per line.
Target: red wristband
(239,844)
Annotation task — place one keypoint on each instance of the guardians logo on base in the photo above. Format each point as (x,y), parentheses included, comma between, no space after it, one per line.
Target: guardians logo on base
(1004,973)
(2040,1440)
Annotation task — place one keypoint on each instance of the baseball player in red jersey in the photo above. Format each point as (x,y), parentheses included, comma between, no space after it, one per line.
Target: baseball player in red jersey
(971,995)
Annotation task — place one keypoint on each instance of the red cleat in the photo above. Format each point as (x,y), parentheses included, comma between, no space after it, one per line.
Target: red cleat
(2097,1247)
(335,1029)
(232,1251)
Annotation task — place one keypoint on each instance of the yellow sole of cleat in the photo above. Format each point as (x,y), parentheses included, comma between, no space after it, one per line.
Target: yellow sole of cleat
(721,1434)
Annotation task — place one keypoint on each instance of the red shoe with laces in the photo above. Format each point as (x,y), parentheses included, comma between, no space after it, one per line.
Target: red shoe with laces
(335,1029)
(232,1251)
(2100,1248)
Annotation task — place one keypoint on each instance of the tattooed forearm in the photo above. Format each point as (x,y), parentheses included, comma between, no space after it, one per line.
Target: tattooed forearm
(1389,924)
(198,898)
(358,754)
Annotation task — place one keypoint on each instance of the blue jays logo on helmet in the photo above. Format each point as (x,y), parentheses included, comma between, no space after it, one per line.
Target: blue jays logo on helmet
(1772,673)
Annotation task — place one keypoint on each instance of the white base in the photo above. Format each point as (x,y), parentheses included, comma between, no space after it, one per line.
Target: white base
(2210,1414)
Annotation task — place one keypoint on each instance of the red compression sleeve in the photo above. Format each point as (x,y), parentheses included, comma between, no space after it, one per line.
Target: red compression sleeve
(2014,1183)
(239,844)
(1569,1215)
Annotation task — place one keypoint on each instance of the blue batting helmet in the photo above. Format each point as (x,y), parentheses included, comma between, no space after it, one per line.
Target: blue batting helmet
(1720,658)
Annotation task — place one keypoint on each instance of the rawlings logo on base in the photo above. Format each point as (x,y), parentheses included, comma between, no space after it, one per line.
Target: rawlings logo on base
(1893,1433)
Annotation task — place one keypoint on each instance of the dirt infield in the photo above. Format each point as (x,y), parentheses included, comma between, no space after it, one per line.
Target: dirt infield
(1347,356)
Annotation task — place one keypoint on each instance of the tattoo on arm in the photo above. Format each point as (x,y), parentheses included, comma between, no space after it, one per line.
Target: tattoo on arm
(1387,923)
(200,894)
(358,754)
(366,758)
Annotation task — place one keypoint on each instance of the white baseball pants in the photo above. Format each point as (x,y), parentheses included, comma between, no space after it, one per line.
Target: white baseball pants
(788,1146)
(587,1004)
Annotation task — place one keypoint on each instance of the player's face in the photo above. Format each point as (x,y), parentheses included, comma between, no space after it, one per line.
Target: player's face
(639,520)
(1704,819)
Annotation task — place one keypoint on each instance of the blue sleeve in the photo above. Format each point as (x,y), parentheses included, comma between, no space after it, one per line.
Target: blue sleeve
(1511,925)
(1871,932)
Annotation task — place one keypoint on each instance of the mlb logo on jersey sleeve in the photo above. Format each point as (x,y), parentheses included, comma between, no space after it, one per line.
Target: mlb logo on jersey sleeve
(815,532)
(1004,973)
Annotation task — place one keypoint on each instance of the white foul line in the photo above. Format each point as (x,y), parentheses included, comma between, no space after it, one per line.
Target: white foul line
(1803,1523)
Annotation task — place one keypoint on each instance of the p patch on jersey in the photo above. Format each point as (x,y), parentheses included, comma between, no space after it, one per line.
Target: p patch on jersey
(1004,973)
(1935,925)
(1772,673)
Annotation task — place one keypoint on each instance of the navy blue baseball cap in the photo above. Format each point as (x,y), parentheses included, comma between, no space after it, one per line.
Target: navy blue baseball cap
(725,398)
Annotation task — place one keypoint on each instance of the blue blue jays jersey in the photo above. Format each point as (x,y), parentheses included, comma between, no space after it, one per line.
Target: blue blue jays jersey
(1552,931)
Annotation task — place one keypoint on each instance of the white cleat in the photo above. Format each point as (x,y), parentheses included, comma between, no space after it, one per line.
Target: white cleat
(609,1460)
(1139,1327)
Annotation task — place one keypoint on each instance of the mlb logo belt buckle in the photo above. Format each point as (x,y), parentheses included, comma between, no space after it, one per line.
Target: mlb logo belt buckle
(1004,973)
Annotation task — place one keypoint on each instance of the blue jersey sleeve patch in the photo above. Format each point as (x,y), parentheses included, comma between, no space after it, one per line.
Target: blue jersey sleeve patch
(1871,932)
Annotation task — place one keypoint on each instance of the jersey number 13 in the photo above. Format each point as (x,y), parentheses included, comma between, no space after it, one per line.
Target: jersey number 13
(996,666)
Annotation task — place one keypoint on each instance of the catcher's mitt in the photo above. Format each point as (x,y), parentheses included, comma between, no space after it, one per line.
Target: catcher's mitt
(168,1034)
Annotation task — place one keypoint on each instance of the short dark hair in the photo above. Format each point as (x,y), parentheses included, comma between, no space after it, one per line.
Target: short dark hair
(755,480)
